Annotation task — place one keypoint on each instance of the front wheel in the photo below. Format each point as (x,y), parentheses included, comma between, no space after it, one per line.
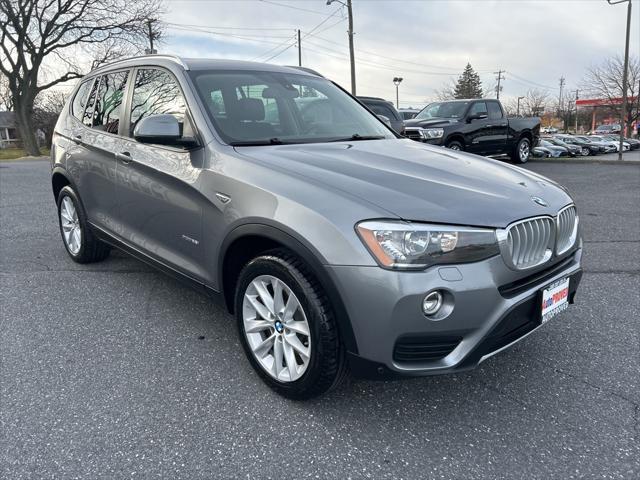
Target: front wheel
(522,151)
(287,328)
(585,152)
(455,145)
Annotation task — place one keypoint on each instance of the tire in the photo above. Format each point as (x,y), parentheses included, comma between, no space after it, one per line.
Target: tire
(455,145)
(78,239)
(325,366)
(522,152)
(585,152)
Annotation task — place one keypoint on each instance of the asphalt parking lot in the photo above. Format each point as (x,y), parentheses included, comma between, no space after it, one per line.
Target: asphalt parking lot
(112,370)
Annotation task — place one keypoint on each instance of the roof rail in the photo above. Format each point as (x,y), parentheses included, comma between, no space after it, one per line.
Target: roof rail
(174,58)
(305,69)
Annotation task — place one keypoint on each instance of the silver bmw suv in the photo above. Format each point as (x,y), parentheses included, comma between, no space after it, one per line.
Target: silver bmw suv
(337,244)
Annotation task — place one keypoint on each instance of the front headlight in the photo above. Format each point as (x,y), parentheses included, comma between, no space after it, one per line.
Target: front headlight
(432,132)
(405,246)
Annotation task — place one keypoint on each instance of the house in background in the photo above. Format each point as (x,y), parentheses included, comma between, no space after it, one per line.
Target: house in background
(9,134)
(8,130)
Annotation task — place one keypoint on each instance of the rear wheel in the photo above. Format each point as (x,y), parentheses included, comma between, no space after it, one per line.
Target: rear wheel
(585,152)
(79,241)
(522,151)
(287,328)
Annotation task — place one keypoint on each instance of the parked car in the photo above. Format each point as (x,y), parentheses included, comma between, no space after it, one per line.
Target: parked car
(541,152)
(408,113)
(607,129)
(573,150)
(476,126)
(383,107)
(605,147)
(634,143)
(334,241)
(556,150)
(627,144)
(549,129)
(587,147)
(615,144)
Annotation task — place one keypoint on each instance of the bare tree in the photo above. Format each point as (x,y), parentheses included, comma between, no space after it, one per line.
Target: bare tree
(33,31)
(6,102)
(604,81)
(534,103)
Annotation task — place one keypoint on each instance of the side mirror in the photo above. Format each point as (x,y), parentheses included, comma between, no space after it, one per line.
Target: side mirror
(385,119)
(162,129)
(476,116)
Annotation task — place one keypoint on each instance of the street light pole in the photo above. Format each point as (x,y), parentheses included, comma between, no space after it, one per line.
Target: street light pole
(351,50)
(518,109)
(396,82)
(624,74)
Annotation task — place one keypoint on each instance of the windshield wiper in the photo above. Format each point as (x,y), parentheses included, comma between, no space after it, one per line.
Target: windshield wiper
(357,136)
(258,143)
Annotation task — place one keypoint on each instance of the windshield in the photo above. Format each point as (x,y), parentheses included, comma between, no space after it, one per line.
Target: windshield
(272,108)
(443,110)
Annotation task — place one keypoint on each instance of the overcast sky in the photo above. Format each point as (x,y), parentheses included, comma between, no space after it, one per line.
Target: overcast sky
(427,42)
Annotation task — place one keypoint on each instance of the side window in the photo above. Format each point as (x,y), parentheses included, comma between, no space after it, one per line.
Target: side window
(156,92)
(80,100)
(108,108)
(495,111)
(87,118)
(478,108)
(380,109)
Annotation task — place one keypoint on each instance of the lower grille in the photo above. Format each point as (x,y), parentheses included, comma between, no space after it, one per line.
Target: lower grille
(412,134)
(424,349)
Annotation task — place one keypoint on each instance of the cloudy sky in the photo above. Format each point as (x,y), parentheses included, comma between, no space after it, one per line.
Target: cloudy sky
(427,42)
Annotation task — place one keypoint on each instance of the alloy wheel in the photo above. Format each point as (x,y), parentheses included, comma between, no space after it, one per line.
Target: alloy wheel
(71,231)
(276,328)
(524,151)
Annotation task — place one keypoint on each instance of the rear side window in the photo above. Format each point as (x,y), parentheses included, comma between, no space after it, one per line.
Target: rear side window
(108,108)
(494,110)
(157,92)
(382,109)
(80,100)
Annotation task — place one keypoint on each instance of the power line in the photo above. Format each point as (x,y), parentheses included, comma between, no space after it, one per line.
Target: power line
(292,7)
(225,27)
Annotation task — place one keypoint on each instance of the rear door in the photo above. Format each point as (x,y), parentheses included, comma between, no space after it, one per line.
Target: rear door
(93,164)
(498,128)
(160,207)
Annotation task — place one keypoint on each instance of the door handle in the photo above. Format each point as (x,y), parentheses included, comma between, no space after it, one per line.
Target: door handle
(77,139)
(488,125)
(124,157)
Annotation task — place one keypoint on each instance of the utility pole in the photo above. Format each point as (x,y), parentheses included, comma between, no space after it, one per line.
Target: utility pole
(625,75)
(577,97)
(518,109)
(499,78)
(151,35)
(560,96)
(351,33)
(299,50)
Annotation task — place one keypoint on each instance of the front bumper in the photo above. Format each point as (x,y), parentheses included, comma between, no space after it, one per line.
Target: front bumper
(493,307)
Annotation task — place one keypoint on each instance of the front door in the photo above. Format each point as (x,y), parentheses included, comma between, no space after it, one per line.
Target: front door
(479,129)
(159,204)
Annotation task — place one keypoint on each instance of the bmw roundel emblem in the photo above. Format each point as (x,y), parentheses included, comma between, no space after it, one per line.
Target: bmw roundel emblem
(540,201)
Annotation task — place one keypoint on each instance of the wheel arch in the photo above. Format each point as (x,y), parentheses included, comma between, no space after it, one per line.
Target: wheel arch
(455,137)
(249,240)
(59,180)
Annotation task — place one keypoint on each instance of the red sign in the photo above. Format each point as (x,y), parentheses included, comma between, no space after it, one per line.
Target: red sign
(602,102)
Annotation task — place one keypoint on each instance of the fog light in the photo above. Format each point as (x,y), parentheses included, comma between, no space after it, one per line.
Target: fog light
(432,303)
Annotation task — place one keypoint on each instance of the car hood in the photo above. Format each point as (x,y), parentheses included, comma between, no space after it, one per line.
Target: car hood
(430,122)
(419,182)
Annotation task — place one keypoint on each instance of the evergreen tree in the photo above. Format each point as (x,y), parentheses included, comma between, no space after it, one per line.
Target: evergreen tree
(469,84)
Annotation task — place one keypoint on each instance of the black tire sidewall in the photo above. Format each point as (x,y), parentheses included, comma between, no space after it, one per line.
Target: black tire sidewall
(316,317)
(68,192)
(455,142)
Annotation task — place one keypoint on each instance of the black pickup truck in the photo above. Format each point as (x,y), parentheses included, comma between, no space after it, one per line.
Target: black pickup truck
(477,126)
